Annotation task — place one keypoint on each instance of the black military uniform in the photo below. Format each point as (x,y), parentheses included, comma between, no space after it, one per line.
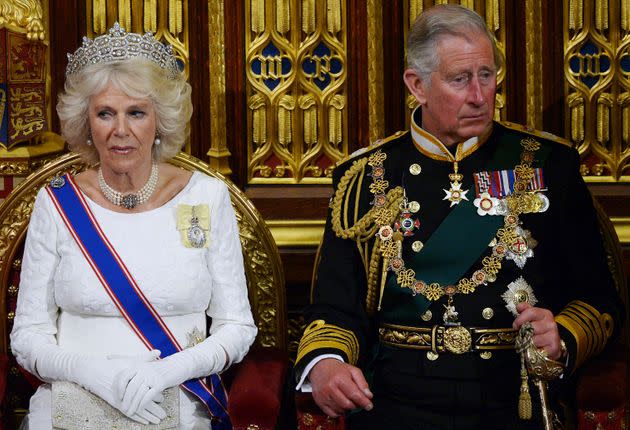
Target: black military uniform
(436,343)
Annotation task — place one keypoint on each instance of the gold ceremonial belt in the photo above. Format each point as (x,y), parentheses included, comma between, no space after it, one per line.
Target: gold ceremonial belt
(454,339)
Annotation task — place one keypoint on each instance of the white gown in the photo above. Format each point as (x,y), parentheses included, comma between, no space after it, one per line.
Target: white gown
(61,300)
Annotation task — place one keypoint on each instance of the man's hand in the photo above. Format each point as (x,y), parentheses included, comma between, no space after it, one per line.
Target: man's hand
(338,387)
(546,334)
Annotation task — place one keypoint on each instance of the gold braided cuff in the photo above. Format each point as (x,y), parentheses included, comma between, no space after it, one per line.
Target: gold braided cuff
(590,329)
(319,335)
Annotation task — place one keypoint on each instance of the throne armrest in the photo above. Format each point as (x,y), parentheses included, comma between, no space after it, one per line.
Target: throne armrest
(257,389)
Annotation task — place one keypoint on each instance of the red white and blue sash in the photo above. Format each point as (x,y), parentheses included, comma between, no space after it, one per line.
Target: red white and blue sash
(500,183)
(125,293)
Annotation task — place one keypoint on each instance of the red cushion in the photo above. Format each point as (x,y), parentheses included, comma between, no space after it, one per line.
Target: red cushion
(606,420)
(256,390)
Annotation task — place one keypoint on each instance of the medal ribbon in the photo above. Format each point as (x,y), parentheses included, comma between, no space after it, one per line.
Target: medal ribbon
(127,296)
(500,183)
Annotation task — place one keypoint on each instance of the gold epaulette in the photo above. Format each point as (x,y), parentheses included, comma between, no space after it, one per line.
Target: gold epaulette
(350,221)
(320,335)
(590,328)
(530,130)
(347,220)
(371,147)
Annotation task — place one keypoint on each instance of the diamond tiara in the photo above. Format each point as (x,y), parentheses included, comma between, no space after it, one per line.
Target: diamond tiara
(118,45)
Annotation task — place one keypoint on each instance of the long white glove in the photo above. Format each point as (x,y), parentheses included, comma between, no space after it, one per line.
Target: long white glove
(137,386)
(98,375)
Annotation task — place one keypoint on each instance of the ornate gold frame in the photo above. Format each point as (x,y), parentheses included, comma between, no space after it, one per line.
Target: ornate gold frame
(596,33)
(218,153)
(292,122)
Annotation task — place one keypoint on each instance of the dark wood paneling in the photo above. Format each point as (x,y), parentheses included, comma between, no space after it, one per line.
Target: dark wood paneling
(553,64)
(298,269)
(67,27)
(198,60)
(358,111)
(515,63)
(235,98)
(614,198)
(393,66)
(291,202)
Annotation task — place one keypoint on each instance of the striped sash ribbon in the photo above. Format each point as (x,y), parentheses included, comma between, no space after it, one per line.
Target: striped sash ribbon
(127,296)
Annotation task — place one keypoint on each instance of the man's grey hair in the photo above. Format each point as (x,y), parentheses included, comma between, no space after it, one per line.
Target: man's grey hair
(437,22)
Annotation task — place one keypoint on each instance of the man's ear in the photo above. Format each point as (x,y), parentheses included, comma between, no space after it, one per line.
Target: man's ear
(415,85)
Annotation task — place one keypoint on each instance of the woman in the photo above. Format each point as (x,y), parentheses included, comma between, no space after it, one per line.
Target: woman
(125,109)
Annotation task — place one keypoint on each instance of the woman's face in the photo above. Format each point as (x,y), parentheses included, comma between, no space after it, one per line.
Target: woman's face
(123,130)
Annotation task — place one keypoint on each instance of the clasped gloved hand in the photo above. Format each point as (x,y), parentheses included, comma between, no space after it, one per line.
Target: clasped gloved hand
(137,387)
(99,375)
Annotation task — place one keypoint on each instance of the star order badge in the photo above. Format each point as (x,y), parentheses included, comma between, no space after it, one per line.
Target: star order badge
(518,291)
(521,247)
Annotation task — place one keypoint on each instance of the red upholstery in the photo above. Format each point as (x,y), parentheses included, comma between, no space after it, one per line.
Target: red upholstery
(257,389)
(603,391)
(311,417)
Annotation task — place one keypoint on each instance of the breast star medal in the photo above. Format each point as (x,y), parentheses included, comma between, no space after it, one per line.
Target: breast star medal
(521,247)
(519,291)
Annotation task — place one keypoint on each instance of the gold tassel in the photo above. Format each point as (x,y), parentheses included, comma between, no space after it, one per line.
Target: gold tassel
(524,399)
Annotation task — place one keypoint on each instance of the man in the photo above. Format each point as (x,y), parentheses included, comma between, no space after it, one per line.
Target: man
(441,243)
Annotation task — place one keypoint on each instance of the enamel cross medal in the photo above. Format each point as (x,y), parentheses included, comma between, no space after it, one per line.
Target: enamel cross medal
(455,194)
(406,224)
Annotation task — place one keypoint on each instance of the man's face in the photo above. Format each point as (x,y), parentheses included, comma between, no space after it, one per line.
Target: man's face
(458,103)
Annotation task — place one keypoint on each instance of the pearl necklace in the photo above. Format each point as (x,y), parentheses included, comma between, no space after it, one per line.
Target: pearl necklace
(131,200)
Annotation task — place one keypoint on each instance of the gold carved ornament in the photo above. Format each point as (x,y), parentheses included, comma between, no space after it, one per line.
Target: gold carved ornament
(23,16)
(597,85)
(167,20)
(301,122)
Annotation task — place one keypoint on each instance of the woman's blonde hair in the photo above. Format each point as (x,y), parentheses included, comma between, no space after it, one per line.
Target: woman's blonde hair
(138,78)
